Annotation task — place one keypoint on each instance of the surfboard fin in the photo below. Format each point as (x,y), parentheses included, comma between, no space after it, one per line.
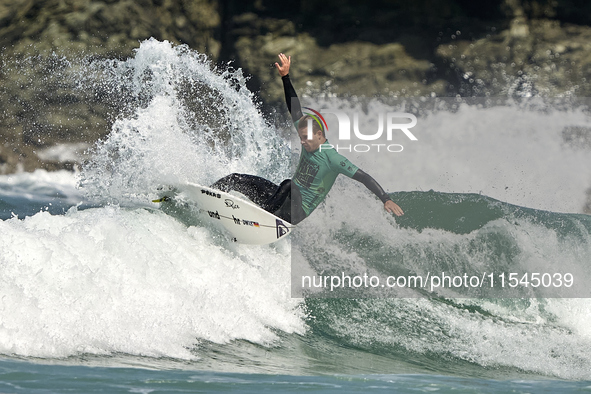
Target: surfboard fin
(165,198)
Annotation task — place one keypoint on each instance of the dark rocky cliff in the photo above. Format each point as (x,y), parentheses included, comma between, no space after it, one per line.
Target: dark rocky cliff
(350,47)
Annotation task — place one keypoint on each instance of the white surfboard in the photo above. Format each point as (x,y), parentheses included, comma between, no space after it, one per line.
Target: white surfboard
(245,221)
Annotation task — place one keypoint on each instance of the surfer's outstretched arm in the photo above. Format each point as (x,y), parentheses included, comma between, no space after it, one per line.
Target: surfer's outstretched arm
(291,98)
(376,189)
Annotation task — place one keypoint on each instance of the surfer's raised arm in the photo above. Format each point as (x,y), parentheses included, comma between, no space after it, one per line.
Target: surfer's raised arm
(291,98)
(295,109)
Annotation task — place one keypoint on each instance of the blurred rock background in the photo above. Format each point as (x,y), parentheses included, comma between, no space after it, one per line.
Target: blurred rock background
(342,47)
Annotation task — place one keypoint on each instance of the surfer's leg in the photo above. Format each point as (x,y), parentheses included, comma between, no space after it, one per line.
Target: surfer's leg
(278,198)
(257,189)
(286,203)
(297,210)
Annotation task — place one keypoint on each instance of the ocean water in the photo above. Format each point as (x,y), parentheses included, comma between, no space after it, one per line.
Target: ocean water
(101,291)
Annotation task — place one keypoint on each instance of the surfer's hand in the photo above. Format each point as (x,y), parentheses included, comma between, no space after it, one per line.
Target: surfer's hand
(285,63)
(392,207)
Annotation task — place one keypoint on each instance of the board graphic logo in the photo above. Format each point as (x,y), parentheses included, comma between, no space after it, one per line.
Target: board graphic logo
(245,222)
(282,229)
(250,223)
(210,193)
(231,204)
(214,215)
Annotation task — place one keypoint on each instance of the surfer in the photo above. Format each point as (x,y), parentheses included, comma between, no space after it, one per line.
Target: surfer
(295,199)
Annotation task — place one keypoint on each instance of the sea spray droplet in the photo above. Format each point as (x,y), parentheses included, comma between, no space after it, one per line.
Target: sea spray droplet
(181,119)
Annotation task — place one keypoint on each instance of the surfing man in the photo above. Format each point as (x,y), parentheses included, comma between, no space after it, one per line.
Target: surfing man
(318,168)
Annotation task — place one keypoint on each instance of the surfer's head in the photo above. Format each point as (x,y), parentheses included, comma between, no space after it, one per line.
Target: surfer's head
(318,136)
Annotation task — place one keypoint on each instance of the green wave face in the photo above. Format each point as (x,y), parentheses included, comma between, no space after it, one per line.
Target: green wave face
(451,330)
(464,213)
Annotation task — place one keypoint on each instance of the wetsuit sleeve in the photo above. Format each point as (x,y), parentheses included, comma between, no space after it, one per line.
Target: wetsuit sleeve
(371,184)
(291,99)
